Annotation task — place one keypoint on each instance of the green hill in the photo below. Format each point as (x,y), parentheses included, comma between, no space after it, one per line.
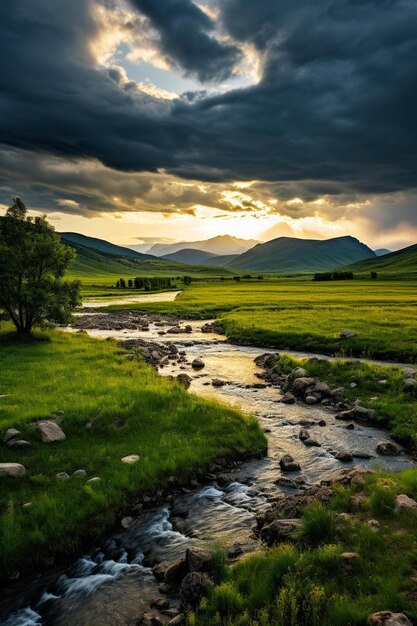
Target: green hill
(289,254)
(90,265)
(101,245)
(401,262)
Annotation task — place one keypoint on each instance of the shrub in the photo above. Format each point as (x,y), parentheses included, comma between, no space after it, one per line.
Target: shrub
(319,525)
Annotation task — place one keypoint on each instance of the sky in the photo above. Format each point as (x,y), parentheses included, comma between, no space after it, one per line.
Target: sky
(149,120)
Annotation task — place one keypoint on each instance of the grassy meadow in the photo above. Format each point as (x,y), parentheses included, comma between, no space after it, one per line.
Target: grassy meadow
(304,583)
(301,314)
(131,410)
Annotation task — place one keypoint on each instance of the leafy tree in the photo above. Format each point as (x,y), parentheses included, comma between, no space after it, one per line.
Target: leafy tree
(130,283)
(32,263)
(138,283)
(122,283)
(187,280)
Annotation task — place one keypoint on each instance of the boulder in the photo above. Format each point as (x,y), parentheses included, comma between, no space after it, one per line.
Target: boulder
(198,364)
(337,394)
(287,464)
(409,372)
(301,386)
(299,372)
(266,360)
(49,431)
(94,479)
(216,382)
(288,398)
(346,334)
(130,459)
(357,413)
(387,448)
(303,434)
(184,380)
(283,481)
(280,530)
(311,400)
(175,571)
(409,383)
(194,587)
(343,456)
(402,502)
(199,560)
(311,443)
(388,618)
(16,470)
(11,433)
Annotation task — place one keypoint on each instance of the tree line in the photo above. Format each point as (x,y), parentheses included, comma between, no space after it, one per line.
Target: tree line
(154,283)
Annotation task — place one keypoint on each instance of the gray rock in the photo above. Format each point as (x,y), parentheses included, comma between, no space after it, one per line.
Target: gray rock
(402,501)
(16,470)
(199,560)
(11,433)
(301,386)
(299,372)
(130,459)
(303,434)
(94,479)
(388,618)
(184,380)
(343,456)
(194,587)
(127,521)
(409,383)
(279,530)
(311,400)
(50,431)
(311,443)
(358,413)
(346,334)
(409,372)
(18,443)
(387,448)
(62,476)
(80,473)
(287,464)
(216,382)
(288,398)
(198,364)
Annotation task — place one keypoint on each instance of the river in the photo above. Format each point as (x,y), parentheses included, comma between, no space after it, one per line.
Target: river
(112,584)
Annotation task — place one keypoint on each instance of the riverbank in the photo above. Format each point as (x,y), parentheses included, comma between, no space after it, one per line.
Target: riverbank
(127,431)
(341,554)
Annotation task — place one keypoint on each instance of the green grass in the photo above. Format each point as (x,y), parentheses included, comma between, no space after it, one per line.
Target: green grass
(301,314)
(395,406)
(305,584)
(132,410)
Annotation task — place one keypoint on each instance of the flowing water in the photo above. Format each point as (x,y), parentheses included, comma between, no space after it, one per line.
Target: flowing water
(166,296)
(113,584)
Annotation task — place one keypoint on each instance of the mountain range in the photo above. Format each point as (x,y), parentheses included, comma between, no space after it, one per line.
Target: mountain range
(281,255)
(221,245)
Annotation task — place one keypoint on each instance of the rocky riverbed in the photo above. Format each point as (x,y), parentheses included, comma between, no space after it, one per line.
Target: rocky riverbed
(158,562)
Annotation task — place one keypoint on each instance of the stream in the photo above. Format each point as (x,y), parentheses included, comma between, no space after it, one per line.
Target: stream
(113,584)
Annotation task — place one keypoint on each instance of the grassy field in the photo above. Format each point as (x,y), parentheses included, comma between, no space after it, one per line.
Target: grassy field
(305,583)
(302,314)
(131,410)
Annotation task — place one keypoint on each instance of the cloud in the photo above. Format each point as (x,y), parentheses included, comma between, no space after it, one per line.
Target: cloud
(332,116)
(185,38)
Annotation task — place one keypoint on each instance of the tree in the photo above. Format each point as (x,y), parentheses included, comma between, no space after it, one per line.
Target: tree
(187,280)
(32,263)
(122,283)
(130,283)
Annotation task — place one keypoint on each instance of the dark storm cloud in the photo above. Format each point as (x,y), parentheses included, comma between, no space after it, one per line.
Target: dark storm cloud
(184,31)
(334,110)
